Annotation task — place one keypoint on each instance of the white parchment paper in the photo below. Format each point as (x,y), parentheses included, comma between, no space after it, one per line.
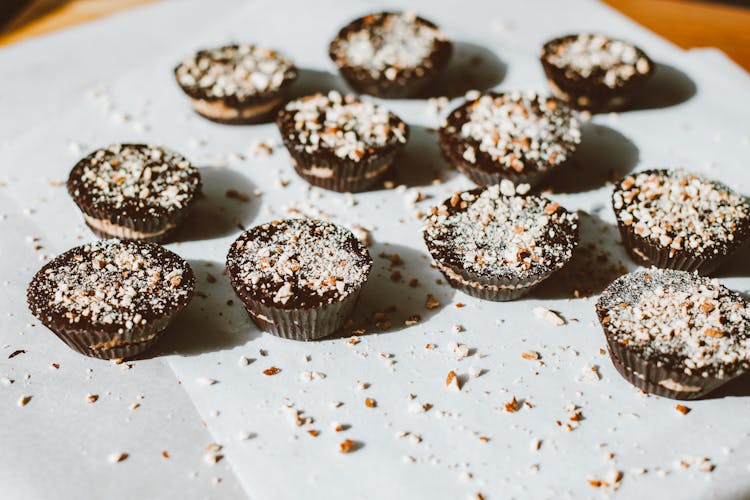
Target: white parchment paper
(693,115)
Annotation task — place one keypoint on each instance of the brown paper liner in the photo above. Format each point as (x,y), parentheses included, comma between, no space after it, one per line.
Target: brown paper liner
(348,176)
(648,253)
(160,238)
(142,225)
(107,345)
(386,89)
(498,290)
(299,324)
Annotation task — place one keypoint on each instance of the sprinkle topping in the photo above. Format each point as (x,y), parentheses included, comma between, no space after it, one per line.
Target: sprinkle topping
(150,180)
(387,44)
(240,71)
(515,130)
(682,211)
(343,125)
(111,283)
(298,263)
(614,62)
(674,315)
(488,233)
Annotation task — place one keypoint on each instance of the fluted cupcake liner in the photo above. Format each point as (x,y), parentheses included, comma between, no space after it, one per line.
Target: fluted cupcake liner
(111,345)
(399,89)
(275,100)
(299,324)
(498,290)
(347,175)
(531,176)
(483,178)
(657,379)
(648,253)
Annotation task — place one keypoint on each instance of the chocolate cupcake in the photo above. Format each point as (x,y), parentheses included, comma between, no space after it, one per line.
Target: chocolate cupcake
(518,136)
(390,54)
(111,299)
(236,84)
(673,333)
(497,245)
(678,220)
(594,72)
(134,191)
(339,142)
(298,278)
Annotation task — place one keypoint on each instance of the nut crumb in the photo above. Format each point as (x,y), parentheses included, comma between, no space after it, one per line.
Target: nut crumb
(431,302)
(682,409)
(452,381)
(550,316)
(512,406)
(118,457)
(346,446)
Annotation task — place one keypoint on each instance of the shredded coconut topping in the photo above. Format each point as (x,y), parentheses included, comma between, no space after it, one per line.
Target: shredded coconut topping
(682,211)
(487,232)
(388,43)
(517,128)
(613,61)
(343,125)
(137,176)
(113,282)
(296,260)
(240,71)
(675,315)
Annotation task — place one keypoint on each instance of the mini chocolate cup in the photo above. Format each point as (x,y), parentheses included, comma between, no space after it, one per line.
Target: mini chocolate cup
(307,314)
(494,289)
(648,252)
(110,341)
(488,173)
(107,221)
(344,174)
(234,110)
(586,93)
(299,324)
(405,84)
(655,377)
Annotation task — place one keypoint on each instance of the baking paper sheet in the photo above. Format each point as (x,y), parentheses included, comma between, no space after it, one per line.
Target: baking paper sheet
(693,116)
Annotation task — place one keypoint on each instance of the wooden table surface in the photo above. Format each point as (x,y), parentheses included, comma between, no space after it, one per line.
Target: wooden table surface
(687,23)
